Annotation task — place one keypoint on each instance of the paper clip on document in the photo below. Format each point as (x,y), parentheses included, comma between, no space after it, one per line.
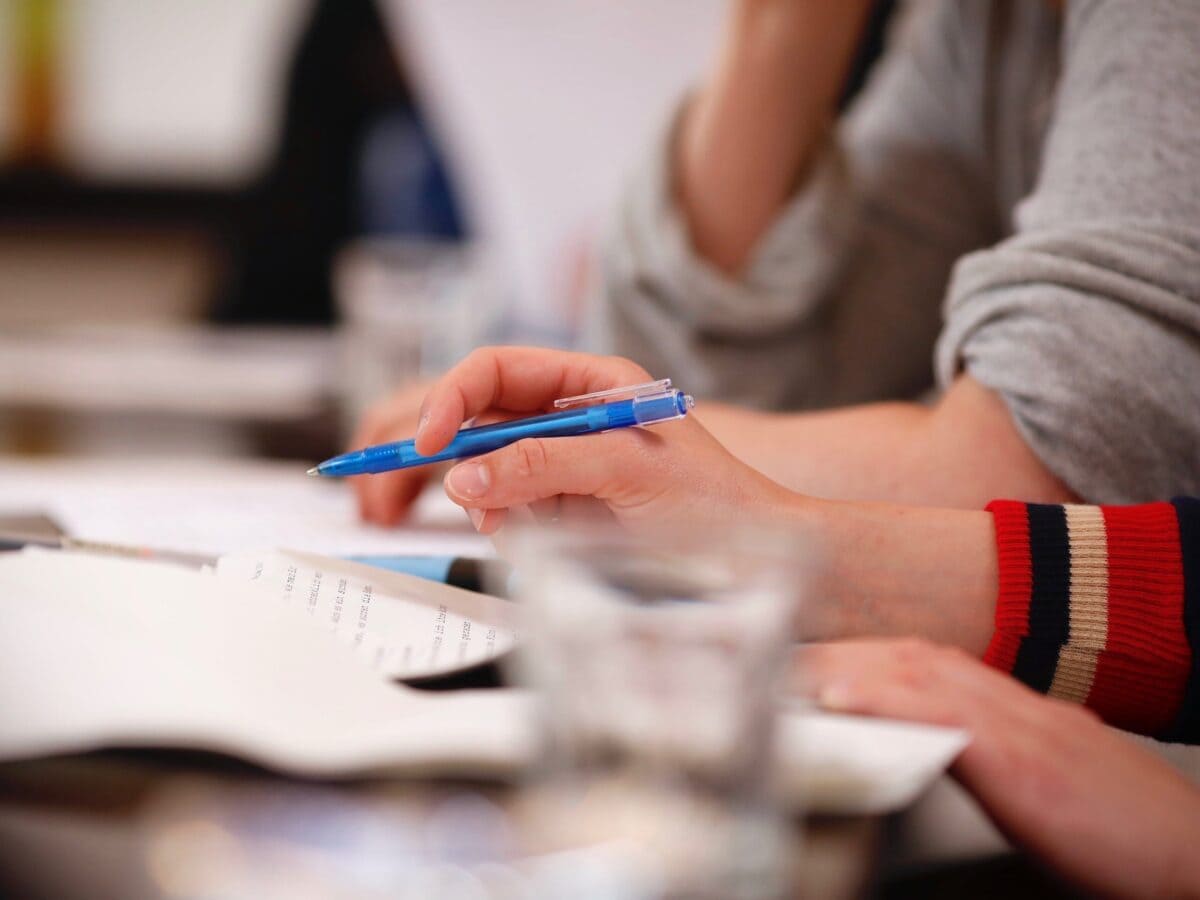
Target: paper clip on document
(641,404)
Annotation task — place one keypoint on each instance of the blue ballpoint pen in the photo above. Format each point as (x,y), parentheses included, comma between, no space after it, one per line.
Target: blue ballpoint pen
(643,404)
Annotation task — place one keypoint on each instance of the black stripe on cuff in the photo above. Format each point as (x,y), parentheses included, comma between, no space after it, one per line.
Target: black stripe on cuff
(1186,728)
(1049,601)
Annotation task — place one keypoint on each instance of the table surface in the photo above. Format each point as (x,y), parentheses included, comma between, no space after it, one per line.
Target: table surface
(125,824)
(77,826)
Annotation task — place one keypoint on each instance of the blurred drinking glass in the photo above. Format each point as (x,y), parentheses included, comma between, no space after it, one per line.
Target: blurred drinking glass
(409,309)
(657,665)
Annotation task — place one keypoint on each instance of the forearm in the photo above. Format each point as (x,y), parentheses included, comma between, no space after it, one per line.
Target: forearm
(963,452)
(894,571)
(1088,604)
(834,454)
(750,133)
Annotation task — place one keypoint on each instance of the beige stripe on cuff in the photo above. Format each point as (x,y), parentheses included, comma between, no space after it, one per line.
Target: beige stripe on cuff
(1088,629)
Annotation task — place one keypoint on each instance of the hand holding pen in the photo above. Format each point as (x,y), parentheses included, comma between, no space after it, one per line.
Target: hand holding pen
(675,473)
(642,404)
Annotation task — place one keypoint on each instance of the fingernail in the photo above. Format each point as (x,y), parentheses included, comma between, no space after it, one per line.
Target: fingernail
(469,480)
(421,423)
(476,517)
(835,696)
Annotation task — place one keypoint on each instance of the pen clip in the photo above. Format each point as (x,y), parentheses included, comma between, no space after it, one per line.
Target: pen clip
(634,391)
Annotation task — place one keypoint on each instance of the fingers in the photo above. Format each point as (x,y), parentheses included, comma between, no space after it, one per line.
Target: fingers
(488,521)
(547,510)
(520,379)
(490,383)
(394,418)
(537,469)
(385,499)
(1013,728)
(909,679)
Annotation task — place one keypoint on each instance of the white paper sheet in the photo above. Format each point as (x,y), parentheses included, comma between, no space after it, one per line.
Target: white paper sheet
(218,507)
(406,627)
(853,764)
(102,651)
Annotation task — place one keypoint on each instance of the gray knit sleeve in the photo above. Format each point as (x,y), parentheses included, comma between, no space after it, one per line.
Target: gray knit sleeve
(1087,321)
(670,309)
(841,299)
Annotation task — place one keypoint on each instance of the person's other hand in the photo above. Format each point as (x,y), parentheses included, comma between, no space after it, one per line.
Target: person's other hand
(386,498)
(673,474)
(1083,797)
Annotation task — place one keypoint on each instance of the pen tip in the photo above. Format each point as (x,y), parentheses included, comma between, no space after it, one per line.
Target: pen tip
(314,471)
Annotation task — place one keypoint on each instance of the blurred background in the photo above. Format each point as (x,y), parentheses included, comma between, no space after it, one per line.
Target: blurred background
(227,227)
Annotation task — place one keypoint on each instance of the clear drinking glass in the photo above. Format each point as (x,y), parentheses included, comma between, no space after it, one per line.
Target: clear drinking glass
(409,309)
(657,666)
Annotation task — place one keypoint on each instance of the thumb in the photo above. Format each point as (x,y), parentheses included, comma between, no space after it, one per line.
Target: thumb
(538,468)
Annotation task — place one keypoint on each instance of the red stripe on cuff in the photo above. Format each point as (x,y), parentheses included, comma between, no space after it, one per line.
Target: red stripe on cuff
(1142,671)
(1015,569)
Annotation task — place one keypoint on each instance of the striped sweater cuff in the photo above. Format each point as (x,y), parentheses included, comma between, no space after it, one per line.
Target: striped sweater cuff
(1091,608)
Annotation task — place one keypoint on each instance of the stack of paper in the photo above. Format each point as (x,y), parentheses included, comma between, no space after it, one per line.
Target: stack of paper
(403,626)
(215,507)
(102,652)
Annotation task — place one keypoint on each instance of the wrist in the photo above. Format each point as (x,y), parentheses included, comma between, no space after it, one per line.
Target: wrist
(797,514)
(882,570)
(811,526)
(831,572)
(745,142)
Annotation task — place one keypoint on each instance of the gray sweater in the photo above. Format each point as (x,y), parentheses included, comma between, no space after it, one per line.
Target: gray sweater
(1015,194)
